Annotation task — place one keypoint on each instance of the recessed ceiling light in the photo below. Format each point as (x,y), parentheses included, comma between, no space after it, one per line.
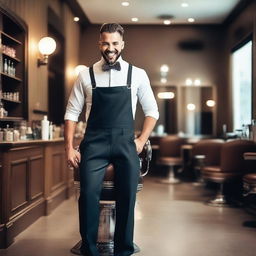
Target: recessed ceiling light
(191,106)
(134,19)
(163,80)
(191,20)
(76,19)
(166,95)
(167,22)
(197,82)
(189,81)
(210,103)
(184,5)
(125,4)
(164,68)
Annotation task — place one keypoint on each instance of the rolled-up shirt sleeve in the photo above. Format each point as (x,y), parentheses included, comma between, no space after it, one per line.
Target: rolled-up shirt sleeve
(76,101)
(146,97)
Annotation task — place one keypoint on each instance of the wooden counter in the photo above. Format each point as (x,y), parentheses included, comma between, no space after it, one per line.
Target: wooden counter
(34,179)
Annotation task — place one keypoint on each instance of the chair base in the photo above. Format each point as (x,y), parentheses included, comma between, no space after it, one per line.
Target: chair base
(199,182)
(105,249)
(219,201)
(170,180)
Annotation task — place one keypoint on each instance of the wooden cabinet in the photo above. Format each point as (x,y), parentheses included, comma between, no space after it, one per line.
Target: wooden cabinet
(13,64)
(34,180)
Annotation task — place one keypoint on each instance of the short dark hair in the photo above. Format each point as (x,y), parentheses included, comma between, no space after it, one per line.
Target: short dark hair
(112,28)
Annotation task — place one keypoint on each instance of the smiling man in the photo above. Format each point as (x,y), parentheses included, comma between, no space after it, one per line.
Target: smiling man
(110,89)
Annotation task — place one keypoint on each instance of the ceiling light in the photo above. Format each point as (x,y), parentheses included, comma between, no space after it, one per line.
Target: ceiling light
(210,103)
(191,107)
(76,19)
(197,82)
(191,20)
(135,19)
(189,81)
(163,80)
(125,4)
(164,68)
(167,22)
(165,95)
(184,5)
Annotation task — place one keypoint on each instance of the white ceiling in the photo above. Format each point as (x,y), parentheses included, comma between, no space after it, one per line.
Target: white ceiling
(203,11)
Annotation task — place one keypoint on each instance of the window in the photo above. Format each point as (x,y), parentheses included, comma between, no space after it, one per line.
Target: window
(242,85)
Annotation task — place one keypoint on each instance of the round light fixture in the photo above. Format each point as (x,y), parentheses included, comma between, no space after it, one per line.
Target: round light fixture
(164,68)
(167,22)
(47,45)
(165,95)
(184,5)
(76,19)
(191,107)
(210,103)
(125,4)
(197,82)
(134,19)
(163,80)
(191,20)
(189,82)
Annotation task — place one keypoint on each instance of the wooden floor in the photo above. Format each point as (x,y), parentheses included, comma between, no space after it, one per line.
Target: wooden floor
(171,220)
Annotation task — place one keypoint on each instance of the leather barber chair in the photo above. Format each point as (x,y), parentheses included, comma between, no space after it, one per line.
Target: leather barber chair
(105,242)
(205,153)
(230,169)
(249,179)
(170,156)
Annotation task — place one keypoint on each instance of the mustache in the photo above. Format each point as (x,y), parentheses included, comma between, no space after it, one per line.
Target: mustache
(108,51)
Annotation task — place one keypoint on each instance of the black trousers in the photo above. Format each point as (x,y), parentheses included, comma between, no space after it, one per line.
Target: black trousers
(98,149)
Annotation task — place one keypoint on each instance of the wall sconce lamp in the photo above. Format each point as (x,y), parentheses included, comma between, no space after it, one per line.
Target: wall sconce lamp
(46,46)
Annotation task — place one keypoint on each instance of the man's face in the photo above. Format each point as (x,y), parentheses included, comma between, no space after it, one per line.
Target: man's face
(111,46)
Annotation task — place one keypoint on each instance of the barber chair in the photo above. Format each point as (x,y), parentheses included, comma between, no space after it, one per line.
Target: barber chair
(249,179)
(205,153)
(105,242)
(230,169)
(170,156)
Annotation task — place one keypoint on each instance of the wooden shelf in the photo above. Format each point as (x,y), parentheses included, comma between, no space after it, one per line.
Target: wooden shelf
(13,34)
(11,118)
(12,77)
(14,101)
(10,57)
(10,38)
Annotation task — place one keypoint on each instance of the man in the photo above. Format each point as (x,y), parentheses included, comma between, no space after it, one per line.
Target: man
(110,90)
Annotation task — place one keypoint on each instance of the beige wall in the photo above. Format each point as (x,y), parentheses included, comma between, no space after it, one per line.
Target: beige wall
(34,13)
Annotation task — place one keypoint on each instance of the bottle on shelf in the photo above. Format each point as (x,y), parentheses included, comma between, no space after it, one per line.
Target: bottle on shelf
(13,70)
(50,131)
(9,69)
(5,66)
(45,128)
(2,110)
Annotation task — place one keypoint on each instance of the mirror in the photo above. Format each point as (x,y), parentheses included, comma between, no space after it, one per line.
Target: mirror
(191,110)
(196,110)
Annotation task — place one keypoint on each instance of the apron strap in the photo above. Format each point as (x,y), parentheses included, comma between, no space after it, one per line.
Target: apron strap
(129,76)
(92,77)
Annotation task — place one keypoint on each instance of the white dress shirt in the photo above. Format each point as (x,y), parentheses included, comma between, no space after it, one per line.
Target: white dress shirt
(82,91)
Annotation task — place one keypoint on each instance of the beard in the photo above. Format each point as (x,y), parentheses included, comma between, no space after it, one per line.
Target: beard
(109,60)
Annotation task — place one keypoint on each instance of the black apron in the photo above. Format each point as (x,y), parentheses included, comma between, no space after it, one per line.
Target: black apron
(109,138)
